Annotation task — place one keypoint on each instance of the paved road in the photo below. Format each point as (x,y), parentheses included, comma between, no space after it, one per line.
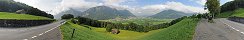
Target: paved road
(222,29)
(44,32)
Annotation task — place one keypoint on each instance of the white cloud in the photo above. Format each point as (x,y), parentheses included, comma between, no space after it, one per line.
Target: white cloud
(58,6)
(45,5)
(76,4)
(153,9)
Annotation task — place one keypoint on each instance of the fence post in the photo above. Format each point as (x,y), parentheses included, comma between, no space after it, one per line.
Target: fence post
(72,34)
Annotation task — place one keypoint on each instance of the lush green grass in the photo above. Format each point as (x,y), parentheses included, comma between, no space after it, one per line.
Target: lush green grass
(125,34)
(81,33)
(239,12)
(140,21)
(225,14)
(183,30)
(6,15)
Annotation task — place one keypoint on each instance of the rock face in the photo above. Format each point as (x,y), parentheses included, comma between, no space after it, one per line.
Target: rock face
(22,23)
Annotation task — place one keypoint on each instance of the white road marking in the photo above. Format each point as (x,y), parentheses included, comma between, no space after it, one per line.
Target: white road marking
(242,32)
(25,39)
(33,36)
(40,34)
(47,30)
(233,28)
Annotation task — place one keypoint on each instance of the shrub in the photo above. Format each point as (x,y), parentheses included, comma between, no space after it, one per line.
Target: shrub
(67,16)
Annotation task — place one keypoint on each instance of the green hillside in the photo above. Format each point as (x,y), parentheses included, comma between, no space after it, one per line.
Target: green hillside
(125,34)
(81,33)
(6,15)
(239,12)
(183,30)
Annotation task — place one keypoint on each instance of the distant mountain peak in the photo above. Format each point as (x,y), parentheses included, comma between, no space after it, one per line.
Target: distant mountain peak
(170,14)
(105,12)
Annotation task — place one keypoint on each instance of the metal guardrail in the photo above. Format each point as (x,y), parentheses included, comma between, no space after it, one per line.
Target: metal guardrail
(237,19)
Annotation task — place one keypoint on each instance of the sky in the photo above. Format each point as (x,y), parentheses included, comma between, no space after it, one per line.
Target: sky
(137,7)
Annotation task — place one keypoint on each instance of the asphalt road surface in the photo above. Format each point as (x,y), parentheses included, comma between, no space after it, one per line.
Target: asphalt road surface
(221,29)
(44,32)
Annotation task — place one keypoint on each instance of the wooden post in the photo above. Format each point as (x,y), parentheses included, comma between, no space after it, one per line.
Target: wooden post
(72,34)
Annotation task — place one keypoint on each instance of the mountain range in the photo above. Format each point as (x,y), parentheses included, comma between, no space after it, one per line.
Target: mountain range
(170,14)
(99,13)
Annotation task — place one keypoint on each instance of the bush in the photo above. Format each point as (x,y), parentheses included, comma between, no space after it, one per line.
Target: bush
(67,16)
(109,28)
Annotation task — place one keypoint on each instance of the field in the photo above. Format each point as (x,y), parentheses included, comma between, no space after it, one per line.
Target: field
(125,34)
(183,30)
(6,15)
(140,21)
(81,33)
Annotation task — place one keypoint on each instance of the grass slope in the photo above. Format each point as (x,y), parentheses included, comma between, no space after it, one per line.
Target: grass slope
(81,33)
(6,15)
(239,12)
(125,34)
(183,30)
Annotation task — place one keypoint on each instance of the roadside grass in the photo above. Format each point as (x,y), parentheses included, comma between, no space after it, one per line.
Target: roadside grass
(81,33)
(225,14)
(6,15)
(239,12)
(183,30)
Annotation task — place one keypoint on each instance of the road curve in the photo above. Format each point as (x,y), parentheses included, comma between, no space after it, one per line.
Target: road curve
(43,32)
(221,29)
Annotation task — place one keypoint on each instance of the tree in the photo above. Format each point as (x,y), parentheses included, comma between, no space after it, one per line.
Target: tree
(109,28)
(213,7)
(67,16)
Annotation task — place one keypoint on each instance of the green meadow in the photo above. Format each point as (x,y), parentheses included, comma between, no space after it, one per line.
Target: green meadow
(7,15)
(183,30)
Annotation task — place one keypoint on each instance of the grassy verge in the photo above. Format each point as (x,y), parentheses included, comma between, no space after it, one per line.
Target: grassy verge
(225,14)
(81,33)
(6,15)
(183,30)
(239,12)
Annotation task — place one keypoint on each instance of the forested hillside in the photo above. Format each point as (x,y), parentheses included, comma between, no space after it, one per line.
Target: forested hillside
(12,6)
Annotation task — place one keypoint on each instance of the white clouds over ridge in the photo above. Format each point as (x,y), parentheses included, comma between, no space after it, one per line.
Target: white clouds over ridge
(62,5)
